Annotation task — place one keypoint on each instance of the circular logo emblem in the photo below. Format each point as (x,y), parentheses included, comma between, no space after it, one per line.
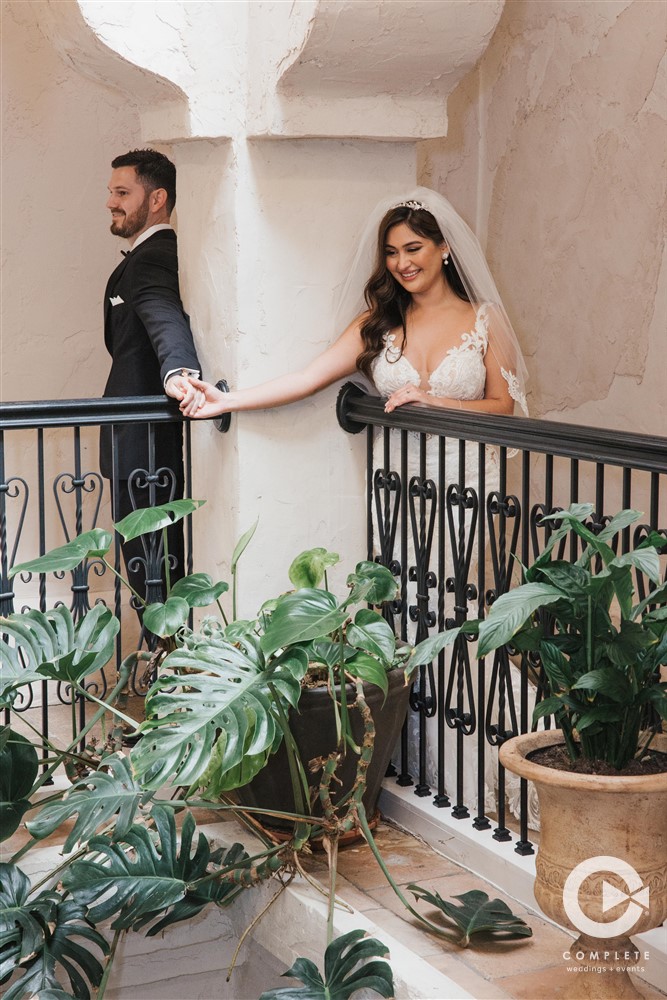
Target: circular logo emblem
(636,896)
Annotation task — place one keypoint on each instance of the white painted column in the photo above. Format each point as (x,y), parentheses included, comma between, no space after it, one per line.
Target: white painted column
(262,251)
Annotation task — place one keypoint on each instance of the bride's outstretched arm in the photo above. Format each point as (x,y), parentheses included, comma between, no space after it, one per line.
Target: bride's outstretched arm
(335,363)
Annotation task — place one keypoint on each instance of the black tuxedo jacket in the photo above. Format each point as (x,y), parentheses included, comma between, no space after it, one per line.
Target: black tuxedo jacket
(147,334)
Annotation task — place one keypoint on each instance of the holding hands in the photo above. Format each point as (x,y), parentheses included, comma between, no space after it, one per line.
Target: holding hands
(201,399)
(182,388)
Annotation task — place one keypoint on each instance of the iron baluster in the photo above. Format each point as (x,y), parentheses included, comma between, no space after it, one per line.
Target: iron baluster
(503,516)
(387,494)
(422,496)
(460,713)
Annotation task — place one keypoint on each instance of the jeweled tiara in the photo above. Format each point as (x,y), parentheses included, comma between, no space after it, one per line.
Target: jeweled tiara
(412,204)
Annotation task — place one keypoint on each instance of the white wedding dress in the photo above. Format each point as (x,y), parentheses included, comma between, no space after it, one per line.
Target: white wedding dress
(460,375)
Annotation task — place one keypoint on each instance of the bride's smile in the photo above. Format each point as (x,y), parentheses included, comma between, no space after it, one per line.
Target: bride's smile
(413,260)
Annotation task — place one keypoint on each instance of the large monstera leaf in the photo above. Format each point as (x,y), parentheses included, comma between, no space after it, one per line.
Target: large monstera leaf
(49,644)
(146,878)
(476,914)
(103,796)
(347,970)
(18,770)
(37,935)
(224,693)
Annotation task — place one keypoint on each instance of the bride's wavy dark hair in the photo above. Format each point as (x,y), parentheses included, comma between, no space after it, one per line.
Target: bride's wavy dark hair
(388,301)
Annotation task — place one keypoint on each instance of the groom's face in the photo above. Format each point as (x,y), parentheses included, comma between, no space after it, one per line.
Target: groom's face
(129,203)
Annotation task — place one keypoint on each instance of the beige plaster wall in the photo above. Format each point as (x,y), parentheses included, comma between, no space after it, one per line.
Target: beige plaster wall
(60,132)
(556,156)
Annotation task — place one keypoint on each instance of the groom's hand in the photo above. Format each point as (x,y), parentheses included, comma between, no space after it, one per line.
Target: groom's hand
(209,401)
(190,397)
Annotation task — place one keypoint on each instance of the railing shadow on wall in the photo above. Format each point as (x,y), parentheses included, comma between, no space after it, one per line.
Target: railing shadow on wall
(51,490)
(455,508)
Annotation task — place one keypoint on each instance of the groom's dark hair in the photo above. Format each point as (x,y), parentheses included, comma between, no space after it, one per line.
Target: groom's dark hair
(154,170)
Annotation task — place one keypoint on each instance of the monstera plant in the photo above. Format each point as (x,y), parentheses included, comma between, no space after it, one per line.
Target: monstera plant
(217,711)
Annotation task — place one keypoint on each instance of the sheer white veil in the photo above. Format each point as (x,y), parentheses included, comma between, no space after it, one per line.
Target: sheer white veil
(469,260)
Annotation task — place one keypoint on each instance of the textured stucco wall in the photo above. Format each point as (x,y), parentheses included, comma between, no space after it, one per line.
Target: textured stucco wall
(60,132)
(556,155)
(265,236)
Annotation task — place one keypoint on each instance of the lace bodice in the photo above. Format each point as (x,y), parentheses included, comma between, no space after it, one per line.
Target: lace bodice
(460,375)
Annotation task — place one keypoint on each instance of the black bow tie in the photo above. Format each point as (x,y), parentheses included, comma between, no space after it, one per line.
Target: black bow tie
(126,253)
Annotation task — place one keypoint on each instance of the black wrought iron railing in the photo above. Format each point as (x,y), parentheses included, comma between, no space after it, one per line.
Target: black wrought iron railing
(455,506)
(51,490)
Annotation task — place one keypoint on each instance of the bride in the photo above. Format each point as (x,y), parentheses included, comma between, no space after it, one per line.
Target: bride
(429,328)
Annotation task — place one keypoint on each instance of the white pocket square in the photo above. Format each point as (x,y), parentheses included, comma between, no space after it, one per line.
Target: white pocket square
(116,300)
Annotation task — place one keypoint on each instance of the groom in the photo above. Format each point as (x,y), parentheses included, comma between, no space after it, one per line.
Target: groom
(148,336)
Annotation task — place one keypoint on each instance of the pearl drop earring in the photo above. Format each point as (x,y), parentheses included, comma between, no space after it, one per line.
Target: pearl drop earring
(445,258)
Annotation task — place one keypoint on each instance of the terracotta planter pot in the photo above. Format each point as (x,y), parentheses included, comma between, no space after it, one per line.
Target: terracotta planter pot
(314,731)
(585,817)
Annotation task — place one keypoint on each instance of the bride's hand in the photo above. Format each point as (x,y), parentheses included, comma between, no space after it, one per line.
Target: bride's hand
(210,401)
(407,394)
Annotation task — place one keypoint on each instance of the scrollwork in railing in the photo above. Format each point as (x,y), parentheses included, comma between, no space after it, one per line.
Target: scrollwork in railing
(504,520)
(422,504)
(76,485)
(422,494)
(14,488)
(504,524)
(541,530)
(387,496)
(460,711)
(153,558)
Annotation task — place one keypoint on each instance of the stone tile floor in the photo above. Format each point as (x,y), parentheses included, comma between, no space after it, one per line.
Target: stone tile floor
(526,969)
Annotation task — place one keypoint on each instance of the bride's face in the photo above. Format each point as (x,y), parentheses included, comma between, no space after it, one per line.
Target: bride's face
(413,260)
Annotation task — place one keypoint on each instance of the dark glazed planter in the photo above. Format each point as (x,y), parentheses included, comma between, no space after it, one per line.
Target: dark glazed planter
(314,730)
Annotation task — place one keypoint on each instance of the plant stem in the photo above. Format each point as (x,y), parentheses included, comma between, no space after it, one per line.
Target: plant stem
(107,707)
(299,781)
(65,864)
(125,582)
(220,609)
(107,968)
(248,863)
(250,927)
(331,844)
(124,672)
(368,836)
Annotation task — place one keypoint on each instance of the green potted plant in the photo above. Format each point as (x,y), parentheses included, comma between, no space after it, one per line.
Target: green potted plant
(601,776)
(216,712)
(301,644)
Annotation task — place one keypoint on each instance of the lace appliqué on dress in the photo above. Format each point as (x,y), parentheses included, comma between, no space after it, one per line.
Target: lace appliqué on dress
(460,375)
(391,352)
(514,389)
